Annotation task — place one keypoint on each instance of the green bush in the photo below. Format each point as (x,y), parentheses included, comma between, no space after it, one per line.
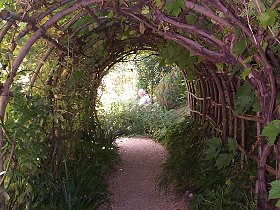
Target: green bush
(185,144)
(170,92)
(217,182)
(80,184)
(130,119)
(60,157)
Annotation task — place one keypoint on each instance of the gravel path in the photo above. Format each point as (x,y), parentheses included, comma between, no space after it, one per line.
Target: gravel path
(132,186)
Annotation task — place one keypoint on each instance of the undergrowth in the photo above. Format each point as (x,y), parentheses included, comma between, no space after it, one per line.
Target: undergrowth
(130,120)
(217,182)
(57,164)
(80,184)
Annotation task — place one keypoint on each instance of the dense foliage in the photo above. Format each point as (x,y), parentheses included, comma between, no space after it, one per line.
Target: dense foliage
(150,71)
(56,151)
(206,173)
(171,90)
(130,119)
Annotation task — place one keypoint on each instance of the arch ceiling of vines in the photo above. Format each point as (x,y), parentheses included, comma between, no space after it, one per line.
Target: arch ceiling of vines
(226,33)
(239,37)
(219,31)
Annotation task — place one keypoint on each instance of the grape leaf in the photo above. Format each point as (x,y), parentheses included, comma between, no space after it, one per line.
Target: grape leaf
(213,149)
(232,144)
(223,160)
(271,130)
(245,73)
(240,46)
(268,18)
(245,98)
(275,190)
(243,103)
(174,7)
(191,19)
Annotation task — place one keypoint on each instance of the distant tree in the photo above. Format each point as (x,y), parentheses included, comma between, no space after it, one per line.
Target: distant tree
(150,71)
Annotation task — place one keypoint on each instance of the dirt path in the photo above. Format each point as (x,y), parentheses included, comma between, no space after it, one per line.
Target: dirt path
(132,186)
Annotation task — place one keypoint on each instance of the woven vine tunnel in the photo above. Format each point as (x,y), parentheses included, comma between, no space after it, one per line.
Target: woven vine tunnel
(224,44)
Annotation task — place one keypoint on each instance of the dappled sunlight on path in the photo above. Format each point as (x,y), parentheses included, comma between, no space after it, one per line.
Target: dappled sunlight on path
(133,185)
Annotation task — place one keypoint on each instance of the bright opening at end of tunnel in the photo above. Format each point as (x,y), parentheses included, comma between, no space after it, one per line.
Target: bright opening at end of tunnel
(119,85)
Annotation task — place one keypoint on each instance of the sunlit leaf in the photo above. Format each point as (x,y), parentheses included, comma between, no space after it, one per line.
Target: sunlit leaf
(6,195)
(268,18)
(110,14)
(248,59)
(275,190)
(158,3)
(245,73)
(145,10)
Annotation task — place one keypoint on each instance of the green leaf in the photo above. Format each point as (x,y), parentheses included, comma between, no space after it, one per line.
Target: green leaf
(158,3)
(214,147)
(174,7)
(278,204)
(220,67)
(145,10)
(248,59)
(110,14)
(268,18)
(244,98)
(271,130)
(243,103)
(223,160)
(232,144)
(191,19)
(240,46)
(256,105)
(246,72)
(264,46)
(274,192)
(211,153)
(214,142)
(6,195)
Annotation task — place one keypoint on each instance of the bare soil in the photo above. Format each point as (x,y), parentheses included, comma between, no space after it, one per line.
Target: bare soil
(133,184)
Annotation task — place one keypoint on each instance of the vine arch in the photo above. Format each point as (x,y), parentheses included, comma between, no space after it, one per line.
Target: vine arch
(222,42)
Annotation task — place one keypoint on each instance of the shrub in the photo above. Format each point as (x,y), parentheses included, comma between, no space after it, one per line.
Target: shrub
(170,92)
(185,144)
(130,119)
(217,182)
